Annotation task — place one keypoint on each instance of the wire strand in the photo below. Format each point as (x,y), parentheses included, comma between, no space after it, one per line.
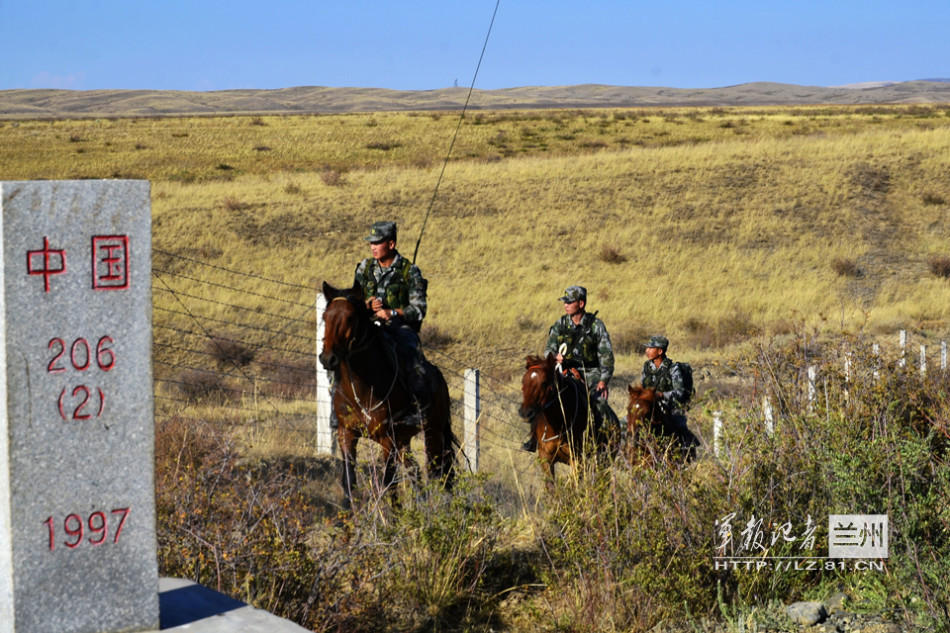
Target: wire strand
(468,97)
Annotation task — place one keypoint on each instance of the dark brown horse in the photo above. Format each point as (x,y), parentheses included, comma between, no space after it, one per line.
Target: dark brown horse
(557,406)
(650,428)
(372,398)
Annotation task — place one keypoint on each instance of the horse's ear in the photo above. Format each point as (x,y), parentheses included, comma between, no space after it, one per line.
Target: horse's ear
(551,360)
(355,293)
(632,389)
(329,292)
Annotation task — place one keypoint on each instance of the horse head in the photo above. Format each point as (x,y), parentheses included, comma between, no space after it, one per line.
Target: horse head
(640,407)
(537,384)
(346,322)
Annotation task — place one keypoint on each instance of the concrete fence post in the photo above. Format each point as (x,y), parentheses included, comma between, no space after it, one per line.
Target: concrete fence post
(325,443)
(923,360)
(473,411)
(847,377)
(903,343)
(768,415)
(943,356)
(812,385)
(717,432)
(876,354)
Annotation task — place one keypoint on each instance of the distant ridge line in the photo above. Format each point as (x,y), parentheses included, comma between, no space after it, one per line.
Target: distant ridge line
(26,104)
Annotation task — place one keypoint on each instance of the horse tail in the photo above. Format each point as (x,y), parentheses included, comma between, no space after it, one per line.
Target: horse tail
(440,442)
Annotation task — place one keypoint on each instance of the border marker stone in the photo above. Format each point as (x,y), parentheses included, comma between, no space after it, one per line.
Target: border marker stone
(77,496)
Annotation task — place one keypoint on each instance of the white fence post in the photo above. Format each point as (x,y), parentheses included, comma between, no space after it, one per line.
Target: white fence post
(903,342)
(923,360)
(812,385)
(847,377)
(473,410)
(325,443)
(767,414)
(717,432)
(943,355)
(876,353)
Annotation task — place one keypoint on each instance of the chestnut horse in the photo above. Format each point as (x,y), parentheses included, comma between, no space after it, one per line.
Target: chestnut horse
(372,398)
(557,406)
(645,416)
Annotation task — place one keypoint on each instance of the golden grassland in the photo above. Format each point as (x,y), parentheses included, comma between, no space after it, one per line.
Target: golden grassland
(719,227)
(715,226)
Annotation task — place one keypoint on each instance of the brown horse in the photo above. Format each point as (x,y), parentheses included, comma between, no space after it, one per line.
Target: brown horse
(372,398)
(647,420)
(557,406)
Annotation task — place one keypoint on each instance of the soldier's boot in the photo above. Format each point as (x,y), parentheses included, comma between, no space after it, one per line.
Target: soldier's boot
(531,444)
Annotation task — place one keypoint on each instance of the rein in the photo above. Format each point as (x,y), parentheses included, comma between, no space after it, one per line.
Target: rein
(560,390)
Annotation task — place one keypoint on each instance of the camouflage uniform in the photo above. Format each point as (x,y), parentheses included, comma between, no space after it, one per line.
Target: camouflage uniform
(400,286)
(668,379)
(588,348)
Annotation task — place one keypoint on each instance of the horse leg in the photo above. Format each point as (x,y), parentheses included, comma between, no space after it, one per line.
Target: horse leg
(347,440)
(547,454)
(389,456)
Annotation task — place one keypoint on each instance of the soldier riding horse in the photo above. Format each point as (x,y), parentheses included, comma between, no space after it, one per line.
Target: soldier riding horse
(372,397)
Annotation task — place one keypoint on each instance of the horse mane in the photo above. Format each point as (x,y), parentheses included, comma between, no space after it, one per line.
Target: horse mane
(637,391)
(535,360)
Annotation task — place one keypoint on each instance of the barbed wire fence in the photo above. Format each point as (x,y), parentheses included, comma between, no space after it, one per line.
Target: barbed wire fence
(234,345)
(241,347)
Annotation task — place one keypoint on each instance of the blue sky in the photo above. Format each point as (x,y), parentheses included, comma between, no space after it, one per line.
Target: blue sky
(423,44)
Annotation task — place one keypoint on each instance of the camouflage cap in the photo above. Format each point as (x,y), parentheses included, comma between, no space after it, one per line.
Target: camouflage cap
(658,341)
(575,293)
(381,231)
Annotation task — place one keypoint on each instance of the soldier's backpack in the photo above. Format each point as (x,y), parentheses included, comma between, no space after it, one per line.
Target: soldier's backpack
(687,373)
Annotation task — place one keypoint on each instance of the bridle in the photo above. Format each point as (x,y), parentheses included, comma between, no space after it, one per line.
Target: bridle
(361,341)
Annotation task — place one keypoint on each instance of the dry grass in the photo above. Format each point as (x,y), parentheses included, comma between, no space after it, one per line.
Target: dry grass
(705,223)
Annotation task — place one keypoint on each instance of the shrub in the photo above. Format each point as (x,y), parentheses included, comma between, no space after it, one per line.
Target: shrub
(940,266)
(435,337)
(383,145)
(226,525)
(292,189)
(289,378)
(845,267)
(611,255)
(331,177)
(233,204)
(229,351)
(933,198)
(197,385)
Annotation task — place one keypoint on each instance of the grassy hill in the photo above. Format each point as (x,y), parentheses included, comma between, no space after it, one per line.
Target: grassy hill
(325,100)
